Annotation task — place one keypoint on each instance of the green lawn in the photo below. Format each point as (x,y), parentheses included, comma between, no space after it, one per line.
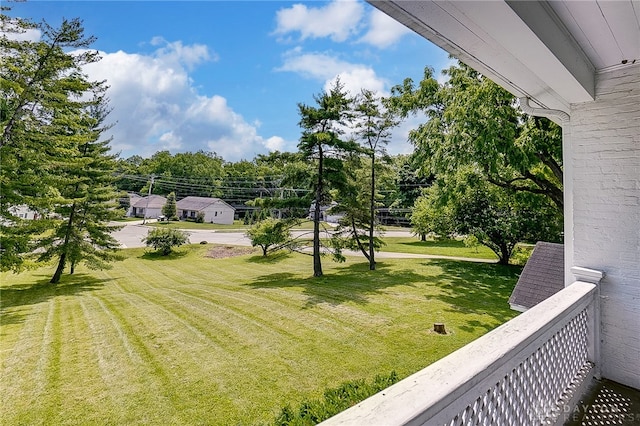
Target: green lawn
(196,340)
(444,247)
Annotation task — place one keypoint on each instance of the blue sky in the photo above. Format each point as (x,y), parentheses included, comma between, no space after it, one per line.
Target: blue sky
(227,76)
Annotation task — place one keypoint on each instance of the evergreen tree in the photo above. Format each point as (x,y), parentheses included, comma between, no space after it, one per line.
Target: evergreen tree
(170,208)
(42,91)
(373,129)
(87,199)
(321,144)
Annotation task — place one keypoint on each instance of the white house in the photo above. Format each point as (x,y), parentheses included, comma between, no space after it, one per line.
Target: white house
(133,199)
(578,63)
(214,209)
(23,212)
(148,207)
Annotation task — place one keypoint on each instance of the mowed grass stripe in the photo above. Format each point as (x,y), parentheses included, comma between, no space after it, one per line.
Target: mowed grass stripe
(24,376)
(78,394)
(199,372)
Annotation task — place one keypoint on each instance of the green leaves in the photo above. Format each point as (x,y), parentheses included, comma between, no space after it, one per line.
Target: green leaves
(471,120)
(164,240)
(54,162)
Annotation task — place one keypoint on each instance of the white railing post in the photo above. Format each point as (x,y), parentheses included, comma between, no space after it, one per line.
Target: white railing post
(594,277)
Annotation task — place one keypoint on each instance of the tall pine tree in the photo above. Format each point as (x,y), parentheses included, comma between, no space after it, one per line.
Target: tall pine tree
(87,199)
(321,144)
(42,87)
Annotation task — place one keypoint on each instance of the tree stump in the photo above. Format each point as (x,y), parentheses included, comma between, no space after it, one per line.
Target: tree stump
(438,327)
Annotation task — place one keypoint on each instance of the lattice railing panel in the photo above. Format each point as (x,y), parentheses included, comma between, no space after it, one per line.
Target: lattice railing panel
(532,392)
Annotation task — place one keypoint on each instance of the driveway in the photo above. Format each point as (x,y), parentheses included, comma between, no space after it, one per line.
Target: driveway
(132,233)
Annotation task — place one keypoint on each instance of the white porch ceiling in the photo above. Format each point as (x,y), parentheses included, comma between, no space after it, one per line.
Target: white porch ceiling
(549,51)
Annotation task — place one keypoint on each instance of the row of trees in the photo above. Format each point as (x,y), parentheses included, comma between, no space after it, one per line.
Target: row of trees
(53,159)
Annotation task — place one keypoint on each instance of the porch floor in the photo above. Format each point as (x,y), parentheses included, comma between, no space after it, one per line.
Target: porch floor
(606,403)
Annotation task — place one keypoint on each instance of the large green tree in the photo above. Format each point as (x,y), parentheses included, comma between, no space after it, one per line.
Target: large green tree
(465,203)
(87,198)
(321,143)
(471,120)
(43,92)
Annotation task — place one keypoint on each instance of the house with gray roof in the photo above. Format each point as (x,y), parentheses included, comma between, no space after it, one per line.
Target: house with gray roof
(150,206)
(215,210)
(541,278)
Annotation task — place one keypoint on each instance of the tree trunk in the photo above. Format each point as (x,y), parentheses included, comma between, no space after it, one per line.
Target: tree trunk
(317,261)
(372,218)
(63,256)
(61,263)
(423,237)
(505,255)
(354,228)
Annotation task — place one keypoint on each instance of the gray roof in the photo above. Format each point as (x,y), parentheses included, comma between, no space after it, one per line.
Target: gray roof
(155,202)
(199,203)
(542,276)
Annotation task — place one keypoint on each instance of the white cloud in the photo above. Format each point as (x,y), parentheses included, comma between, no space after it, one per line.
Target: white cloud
(275,143)
(188,55)
(14,32)
(337,20)
(383,30)
(156,107)
(357,79)
(326,68)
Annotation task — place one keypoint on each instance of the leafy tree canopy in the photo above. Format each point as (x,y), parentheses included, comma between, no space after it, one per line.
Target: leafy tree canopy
(471,120)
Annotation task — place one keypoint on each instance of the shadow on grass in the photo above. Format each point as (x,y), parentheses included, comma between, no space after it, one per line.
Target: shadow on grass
(353,283)
(19,296)
(156,255)
(435,243)
(479,288)
(270,258)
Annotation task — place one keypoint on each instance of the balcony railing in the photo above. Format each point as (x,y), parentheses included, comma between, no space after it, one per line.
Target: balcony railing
(523,372)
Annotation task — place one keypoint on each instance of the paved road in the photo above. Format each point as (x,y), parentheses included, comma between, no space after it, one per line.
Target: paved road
(132,233)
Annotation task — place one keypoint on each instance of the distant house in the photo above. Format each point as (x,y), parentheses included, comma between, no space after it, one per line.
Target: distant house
(541,278)
(326,215)
(215,210)
(133,198)
(150,206)
(23,212)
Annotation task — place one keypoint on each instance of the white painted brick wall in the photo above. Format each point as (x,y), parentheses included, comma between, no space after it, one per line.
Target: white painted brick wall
(605,146)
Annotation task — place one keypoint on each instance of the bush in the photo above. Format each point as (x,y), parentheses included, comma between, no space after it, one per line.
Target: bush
(165,239)
(200,217)
(333,402)
(270,235)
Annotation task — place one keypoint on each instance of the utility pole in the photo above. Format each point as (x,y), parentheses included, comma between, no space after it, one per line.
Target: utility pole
(146,209)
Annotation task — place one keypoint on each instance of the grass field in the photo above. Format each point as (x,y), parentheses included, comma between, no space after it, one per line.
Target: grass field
(191,339)
(444,247)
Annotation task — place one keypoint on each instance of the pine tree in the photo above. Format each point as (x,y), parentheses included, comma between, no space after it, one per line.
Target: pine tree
(42,88)
(170,208)
(87,199)
(321,143)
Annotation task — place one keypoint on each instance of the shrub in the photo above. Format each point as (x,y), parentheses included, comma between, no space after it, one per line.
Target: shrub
(270,235)
(200,217)
(334,401)
(165,239)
